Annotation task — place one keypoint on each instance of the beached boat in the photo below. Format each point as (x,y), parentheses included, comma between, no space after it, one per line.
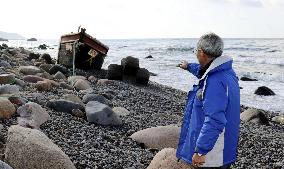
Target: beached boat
(81,50)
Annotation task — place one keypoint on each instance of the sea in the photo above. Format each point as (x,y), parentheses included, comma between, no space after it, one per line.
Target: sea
(261,59)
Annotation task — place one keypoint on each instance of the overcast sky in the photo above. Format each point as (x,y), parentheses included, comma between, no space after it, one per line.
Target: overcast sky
(112,19)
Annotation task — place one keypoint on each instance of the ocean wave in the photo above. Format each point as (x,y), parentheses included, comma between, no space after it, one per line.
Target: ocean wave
(180,49)
(263,76)
(268,61)
(246,49)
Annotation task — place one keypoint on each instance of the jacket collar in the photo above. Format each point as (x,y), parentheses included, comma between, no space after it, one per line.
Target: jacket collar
(217,62)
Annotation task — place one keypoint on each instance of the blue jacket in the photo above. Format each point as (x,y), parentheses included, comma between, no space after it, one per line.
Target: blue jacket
(212,115)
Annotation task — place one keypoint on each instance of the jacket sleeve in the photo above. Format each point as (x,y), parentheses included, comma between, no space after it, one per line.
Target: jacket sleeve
(194,69)
(214,106)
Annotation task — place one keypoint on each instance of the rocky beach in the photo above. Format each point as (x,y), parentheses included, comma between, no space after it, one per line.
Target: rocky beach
(52,119)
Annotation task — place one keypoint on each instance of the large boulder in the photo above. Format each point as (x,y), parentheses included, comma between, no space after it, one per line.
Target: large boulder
(29,70)
(33,56)
(99,113)
(9,89)
(32,115)
(31,149)
(55,68)
(82,85)
(7,78)
(130,65)
(59,75)
(7,109)
(158,137)
(62,105)
(265,91)
(32,78)
(255,116)
(166,159)
(114,72)
(45,67)
(95,97)
(142,76)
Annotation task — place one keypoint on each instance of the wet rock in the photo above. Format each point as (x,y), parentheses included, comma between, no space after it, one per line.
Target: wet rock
(82,85)
(73,98)
(46,57)
(265,91)
(158,137)
(32,39)
(95,97)
(78,113)
(121,111)
(166,159)
(55,68)
(142,76)
(114,72)
(32,115)
(9,89)
(247,79)
(7,78)
(255,116)
(7,109)
(130,65)
(29,70)
(149,57)
(33,56)
(62,105)
(59,75)
(99,113)
(32,78)
(32,149)
(278,119)
(3,165)
(43,85)
(42,47)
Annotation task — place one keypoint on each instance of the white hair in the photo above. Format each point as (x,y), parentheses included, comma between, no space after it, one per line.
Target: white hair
(211,44)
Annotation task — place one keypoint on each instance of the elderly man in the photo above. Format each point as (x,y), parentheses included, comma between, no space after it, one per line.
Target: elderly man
(210,129)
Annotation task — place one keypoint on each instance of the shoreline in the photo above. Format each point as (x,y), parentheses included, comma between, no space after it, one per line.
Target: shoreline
(89,145)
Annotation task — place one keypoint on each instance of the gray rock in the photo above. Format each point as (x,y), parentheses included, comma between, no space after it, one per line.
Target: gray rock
(5,64)
(158,137)
(254,115)
(46,57)
(43,85)
(32,115)
(59,75)
(78,113)
(55,68)
(65,86)
(31,149)
(29,70)
(7,78)
(99,113)
(20,82)
(130,65)
(62,105)
(95,97)
(264,91)
(3,165)
(278,119)
(73,98)
(17,100)
(121,111)
(9,89)
(45,67)
(166,159)
(73,79)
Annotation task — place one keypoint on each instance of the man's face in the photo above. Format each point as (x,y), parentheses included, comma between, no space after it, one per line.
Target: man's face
(200,57)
